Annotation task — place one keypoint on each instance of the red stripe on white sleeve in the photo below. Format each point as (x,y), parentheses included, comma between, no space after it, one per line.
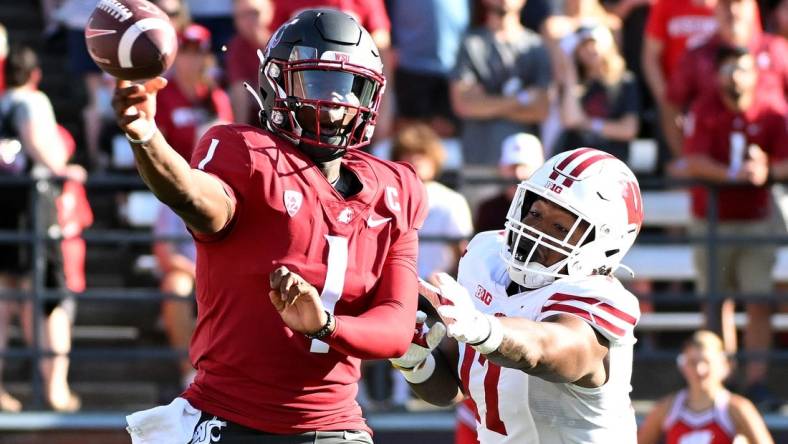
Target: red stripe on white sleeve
(596,320)
(606,317)
(622,315)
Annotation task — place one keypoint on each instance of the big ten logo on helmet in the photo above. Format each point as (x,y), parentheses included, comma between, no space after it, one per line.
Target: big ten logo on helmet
(483,295)
(554,187)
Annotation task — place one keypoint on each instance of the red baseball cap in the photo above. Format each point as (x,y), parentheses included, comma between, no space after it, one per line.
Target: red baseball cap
(195,34)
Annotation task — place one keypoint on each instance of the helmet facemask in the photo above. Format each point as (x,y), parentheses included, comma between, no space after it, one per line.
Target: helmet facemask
(328,106)
(526,246)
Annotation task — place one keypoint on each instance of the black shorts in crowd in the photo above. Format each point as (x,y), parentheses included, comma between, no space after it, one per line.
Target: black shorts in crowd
(16,257)
(422,96)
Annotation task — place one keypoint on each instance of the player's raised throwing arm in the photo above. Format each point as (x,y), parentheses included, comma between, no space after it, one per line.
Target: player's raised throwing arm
(199,198)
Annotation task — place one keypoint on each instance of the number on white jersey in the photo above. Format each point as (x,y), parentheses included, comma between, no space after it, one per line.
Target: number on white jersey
(492,417)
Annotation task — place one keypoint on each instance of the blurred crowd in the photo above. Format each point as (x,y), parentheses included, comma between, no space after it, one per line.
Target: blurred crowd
(690,89)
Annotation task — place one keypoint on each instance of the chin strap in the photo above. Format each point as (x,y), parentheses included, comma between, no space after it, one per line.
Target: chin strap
(536,275)
(254,94)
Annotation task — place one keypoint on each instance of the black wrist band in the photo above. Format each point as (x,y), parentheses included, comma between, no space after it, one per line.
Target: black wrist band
(325,330)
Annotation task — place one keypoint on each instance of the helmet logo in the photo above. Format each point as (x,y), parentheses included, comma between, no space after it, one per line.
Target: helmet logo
(336,56)
(554,187)
(278,36)
(293,201)
(630,192)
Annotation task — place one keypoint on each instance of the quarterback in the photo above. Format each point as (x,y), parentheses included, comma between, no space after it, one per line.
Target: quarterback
(544,331)
(306,246)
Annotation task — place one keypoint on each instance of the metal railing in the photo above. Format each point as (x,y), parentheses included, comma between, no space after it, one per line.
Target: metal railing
(38,238)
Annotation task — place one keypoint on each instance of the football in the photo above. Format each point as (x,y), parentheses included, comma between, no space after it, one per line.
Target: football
(130,39)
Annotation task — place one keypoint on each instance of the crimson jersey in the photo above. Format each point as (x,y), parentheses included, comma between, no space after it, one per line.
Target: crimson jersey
(359,252)
(712,426)
(711,129)
(180,118)
(695,76)
(678,26)
(371,14)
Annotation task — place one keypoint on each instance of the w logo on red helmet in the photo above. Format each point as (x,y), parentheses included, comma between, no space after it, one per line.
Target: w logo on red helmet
(572,167)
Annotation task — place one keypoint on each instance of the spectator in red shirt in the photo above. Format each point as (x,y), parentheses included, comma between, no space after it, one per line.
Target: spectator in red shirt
(252,25)
(371,14)
(738,25)
(672,28)
(736,136)
(191,100)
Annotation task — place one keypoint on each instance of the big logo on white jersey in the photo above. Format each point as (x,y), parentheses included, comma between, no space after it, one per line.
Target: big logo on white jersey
(203,434)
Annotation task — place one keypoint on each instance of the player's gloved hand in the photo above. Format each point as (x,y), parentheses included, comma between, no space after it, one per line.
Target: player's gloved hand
(417,364)
(424,341)
(464,322)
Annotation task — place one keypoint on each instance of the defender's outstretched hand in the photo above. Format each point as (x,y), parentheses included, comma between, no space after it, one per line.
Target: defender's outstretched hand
(135,106)
(424,341)
(297,301)
(464,322)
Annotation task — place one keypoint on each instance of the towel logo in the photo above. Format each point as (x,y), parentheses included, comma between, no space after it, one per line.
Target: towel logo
(203,434)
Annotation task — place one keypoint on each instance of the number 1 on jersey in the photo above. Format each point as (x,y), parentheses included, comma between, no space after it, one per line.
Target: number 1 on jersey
(492,416)
(335,281)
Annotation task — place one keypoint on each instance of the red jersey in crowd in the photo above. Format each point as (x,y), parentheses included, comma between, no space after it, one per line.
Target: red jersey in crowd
(710,129)
(679,25)
(180,118)
(243,65)
(712,426)
(73,215)
(360,253)
(695,76)
(371,14)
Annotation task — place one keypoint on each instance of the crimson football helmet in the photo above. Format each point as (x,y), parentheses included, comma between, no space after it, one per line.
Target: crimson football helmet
(321,81)
(596,187)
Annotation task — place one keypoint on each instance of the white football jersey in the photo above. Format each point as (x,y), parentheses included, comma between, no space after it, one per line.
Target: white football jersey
(514,407)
